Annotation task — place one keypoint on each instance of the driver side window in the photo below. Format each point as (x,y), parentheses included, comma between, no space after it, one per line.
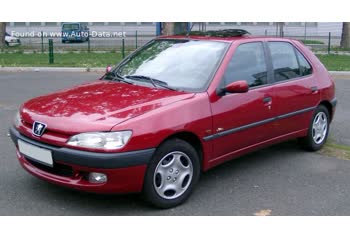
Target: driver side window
(247,63)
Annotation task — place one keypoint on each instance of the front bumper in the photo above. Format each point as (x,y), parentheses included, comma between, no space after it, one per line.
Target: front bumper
(125,171)
(334,103)
(12,44)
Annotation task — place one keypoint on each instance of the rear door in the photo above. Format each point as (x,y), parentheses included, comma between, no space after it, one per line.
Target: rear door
(295,88)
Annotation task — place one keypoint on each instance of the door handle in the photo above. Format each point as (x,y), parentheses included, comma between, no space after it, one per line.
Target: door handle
(267,102)
(267,99)
(314,89)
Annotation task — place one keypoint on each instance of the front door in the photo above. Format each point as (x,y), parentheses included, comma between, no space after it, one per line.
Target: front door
(241,120)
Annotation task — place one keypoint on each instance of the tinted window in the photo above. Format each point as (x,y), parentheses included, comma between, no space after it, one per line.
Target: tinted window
(305,68)
(70,27)
(248,63)
(285,64)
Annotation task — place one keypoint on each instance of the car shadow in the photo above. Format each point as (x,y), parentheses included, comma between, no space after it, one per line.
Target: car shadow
(71,202)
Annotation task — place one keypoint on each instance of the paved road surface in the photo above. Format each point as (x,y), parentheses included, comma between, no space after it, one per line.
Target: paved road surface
(282,179)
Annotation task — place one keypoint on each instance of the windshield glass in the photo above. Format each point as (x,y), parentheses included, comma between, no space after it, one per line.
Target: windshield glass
(180,64)
(70,27)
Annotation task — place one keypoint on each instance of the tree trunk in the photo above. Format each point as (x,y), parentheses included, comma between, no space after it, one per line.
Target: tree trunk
(280,27)
(345,36)
(2,33)
(168,28)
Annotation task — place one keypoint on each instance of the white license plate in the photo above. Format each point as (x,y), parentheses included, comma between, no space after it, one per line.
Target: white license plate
(37,154)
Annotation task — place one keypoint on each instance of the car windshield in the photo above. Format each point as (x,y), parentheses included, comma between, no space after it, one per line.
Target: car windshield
(180,64)
(6,34)
(70,27)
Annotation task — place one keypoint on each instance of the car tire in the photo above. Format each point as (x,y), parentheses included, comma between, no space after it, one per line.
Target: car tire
(172,174)
(318,130)
(7,44)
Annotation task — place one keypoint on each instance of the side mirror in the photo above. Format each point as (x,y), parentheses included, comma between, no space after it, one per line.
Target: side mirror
(108,68)
(240,86)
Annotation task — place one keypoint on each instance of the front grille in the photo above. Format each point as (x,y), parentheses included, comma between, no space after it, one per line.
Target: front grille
(57,169)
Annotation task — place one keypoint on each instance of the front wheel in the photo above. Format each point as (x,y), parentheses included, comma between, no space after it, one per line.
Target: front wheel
(318,130)
(172,174)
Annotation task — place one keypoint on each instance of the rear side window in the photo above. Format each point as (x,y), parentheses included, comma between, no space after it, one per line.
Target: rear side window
(70,27)
(248,63)
(284,61)
(305,67)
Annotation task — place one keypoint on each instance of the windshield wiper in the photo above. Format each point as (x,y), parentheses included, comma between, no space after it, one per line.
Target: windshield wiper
(153,81)
(120,78)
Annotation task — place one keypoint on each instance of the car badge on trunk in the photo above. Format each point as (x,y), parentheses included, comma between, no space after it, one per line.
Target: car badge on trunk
(38,128)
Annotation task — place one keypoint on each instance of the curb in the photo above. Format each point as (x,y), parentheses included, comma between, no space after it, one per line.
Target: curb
(345,74)
(340,72)
(50,69)
(96,69)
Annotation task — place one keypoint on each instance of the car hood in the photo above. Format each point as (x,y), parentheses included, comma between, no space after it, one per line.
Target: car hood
(96,106)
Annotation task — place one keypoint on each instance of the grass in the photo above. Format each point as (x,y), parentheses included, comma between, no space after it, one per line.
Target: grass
(335,62)
(340,49)
(87,60)
(332,62)
(332,149)
(312,42)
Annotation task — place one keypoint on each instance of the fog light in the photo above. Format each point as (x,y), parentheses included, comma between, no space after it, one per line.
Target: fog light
(95,177)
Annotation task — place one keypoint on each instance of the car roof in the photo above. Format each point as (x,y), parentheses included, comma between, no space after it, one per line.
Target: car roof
(227,39)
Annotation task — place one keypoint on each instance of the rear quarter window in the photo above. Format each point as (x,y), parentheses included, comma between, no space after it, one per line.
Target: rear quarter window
(305,67)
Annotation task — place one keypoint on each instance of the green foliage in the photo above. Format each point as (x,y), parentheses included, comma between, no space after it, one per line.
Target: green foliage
(87,60)
(312,42)
(340,49)
(335,62)
(336,150)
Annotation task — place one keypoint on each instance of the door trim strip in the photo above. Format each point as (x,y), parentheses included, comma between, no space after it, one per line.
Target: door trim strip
(256,124)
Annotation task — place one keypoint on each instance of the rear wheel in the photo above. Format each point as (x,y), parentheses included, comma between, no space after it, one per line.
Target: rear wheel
(172,174)
(318,130)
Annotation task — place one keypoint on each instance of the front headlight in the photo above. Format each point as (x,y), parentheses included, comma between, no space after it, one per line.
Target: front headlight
(17,119)
(101,140)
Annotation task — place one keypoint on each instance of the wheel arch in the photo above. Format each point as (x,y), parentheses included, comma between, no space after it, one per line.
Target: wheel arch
(329,107)
(190,138)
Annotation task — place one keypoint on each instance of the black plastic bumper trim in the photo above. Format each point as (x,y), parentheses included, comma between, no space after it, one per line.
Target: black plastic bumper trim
(334,102)
(90,159)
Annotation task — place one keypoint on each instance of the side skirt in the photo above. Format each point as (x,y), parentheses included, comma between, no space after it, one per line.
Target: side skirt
(255,147)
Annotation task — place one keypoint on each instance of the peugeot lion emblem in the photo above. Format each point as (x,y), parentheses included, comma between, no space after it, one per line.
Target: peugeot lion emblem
(38,128)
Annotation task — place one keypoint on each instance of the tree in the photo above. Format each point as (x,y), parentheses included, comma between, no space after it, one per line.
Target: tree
(168,28)
(345,36)
(280,29)
(2,33)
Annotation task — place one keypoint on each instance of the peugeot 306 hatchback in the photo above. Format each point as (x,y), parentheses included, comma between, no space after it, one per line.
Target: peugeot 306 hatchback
(173,109)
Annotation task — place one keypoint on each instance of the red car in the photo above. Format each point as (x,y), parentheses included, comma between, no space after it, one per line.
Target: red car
(174,108)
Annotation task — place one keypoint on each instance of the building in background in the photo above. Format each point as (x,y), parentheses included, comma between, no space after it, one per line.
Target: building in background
(293,29)
(136,34)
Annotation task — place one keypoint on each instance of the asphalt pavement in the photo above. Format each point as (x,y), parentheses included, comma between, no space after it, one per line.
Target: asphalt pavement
(280,180)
